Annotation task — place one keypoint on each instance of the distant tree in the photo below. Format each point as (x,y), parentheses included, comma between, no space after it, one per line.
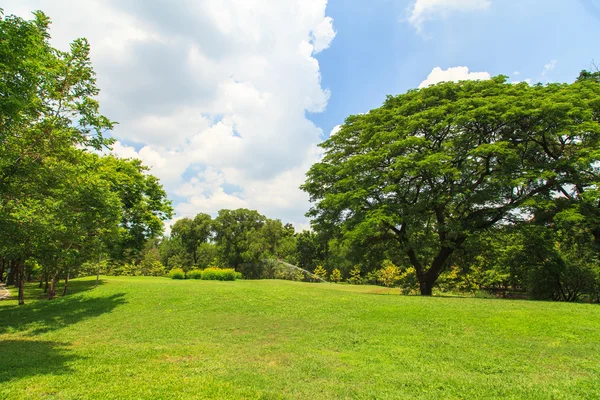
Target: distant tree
(192,233)
(310,250)
(434,166)
(234,233)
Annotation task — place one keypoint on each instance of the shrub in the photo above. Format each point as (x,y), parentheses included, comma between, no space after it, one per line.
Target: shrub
(335,276)
(373,277)
(355,277)
(157,269)
(389,274)
(298,275)
(194,274)
(176,273)
(320,272)
(220,274)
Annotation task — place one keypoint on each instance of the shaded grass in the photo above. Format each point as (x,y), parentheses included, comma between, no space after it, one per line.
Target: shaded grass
(165,339)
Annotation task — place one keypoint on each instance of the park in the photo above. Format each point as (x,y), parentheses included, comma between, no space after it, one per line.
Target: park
(448,245)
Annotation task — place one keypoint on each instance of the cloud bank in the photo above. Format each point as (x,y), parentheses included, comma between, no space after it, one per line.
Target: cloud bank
(211,94)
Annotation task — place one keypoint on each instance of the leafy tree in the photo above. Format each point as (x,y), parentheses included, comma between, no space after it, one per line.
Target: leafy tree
(310,250)
(192,233)
(234,232)
(434,166)
(144,205)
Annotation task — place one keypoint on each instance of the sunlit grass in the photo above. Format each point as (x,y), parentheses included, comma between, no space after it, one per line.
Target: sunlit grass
(164,339)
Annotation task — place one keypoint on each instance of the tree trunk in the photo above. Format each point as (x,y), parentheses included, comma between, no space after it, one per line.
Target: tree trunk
(10,279)
(1,269)
(52,291)
(42,279)
(426,285)
(21,267)
(98,271)
(46,279)
(66,282)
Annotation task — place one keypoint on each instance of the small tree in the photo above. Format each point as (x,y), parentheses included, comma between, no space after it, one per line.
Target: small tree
(389,274)
(320,272)
(355,277)
(336,276)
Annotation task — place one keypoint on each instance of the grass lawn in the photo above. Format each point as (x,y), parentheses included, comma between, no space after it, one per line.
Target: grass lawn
(156,338)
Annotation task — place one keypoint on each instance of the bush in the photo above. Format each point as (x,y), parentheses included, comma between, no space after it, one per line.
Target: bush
(336,276)
(219,274)
(176,273)
(389,274)
(320,272)
(194,274)
(355,277)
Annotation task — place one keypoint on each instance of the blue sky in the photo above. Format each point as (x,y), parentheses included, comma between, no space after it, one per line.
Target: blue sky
(227,100)
(377,52)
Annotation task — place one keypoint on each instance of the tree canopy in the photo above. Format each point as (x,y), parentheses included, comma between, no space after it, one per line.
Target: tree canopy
(434,166)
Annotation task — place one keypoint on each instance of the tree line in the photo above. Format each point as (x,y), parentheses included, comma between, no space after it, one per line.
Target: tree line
(61,201)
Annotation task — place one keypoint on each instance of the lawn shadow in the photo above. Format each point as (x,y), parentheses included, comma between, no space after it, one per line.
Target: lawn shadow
(26,358)
(32,291)
(43,316)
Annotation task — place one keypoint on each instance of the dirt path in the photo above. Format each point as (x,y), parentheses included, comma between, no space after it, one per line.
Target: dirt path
(4,293)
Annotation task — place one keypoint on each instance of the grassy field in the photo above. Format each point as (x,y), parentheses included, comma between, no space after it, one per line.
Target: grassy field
(157,338)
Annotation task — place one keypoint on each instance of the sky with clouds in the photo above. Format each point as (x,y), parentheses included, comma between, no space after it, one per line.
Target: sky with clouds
(227,100)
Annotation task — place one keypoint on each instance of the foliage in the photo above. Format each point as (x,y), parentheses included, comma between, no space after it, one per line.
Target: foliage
(320,272)
(336,276)
(408,280)
(194,274)
(310,250)
(220,274)
(62,204)
(355,277)
(192,233)
(176,273)
(434,166)
(389,274)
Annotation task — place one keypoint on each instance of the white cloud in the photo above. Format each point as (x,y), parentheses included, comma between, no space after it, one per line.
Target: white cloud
(424,10)
(221,87)
(547,69)
(454,74)
(335,130)
(323,34)
(550,66)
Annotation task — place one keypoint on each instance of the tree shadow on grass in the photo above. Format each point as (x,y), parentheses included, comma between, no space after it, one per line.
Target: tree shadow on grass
(25,358)
(32,291)
(43,316)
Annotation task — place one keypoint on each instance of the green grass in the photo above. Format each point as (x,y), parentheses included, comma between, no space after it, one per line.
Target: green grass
(157,338)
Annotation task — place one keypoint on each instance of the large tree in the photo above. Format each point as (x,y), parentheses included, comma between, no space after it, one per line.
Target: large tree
(192,233)
(433,166)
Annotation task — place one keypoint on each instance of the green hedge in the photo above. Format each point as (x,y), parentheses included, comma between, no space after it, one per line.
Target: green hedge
(176,273)
(194,274)
(218,274)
